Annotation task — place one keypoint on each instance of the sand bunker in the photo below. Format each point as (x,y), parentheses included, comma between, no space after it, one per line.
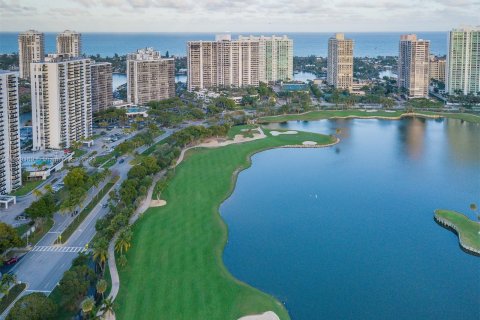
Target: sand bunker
(157,203)
(276,133)
(309,143)
(269,315)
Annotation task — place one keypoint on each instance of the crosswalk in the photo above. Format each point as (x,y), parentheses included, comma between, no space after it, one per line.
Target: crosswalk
(58,249)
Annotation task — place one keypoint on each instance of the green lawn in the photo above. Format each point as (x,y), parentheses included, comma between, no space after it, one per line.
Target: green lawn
(26,188)
(468,230)
(97,161)
(238,130)
(109,163)
(22,229)
(175,268)
(461,116)
(317,115)
(5,301)
(78,153)
(150,149)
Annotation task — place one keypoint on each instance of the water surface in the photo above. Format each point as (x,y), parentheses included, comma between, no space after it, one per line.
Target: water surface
(347,232)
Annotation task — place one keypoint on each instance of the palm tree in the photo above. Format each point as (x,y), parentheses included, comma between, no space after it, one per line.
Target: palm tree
(8,279)
(102,287)
(107,307)
(49,188)
(100,253)
(123,242)
(87,306)
(122,261)
(37,193)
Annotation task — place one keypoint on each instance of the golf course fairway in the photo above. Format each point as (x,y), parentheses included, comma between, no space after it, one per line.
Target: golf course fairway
(175,268)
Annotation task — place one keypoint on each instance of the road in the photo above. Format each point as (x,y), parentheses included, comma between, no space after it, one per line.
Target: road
(43,267)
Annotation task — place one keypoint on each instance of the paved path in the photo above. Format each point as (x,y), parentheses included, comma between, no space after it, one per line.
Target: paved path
(145,204)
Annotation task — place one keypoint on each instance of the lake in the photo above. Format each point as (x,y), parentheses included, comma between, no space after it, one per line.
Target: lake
(347,232)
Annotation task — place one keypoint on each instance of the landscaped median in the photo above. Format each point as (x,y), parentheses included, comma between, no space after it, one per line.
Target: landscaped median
(86,211)
(13,293)
(175,268)
(468,231)
(383,114)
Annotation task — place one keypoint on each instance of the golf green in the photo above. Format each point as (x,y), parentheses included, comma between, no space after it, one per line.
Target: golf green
(175,268)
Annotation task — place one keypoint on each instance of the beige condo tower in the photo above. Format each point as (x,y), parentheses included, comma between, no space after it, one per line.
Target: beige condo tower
(414,65)
(340,62)
(149,76)
(31,48)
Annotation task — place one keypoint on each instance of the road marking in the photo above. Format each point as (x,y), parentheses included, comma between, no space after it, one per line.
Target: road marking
(42,291)
(58,249)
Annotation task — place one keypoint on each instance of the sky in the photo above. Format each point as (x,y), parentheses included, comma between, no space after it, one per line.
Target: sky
(237,15)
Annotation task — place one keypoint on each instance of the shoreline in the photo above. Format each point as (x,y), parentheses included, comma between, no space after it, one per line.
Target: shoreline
(257,300)
(453,227)
(298,117)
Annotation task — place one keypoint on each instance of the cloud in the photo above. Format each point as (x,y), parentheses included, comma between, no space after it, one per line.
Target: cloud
(14,7)
(211,15)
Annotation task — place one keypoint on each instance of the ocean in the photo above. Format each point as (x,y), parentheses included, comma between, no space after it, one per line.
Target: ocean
(367,44)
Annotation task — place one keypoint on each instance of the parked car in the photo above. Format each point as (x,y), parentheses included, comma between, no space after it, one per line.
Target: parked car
(11,261)
(121,160)
(21,217)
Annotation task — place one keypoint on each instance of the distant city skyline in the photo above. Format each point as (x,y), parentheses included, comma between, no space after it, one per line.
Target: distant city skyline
(273,16)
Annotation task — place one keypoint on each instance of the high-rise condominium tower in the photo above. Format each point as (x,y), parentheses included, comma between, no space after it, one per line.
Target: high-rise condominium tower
(223,63)
(149,76)
(275,58)
(463,61)
(69,43)
(340,62)
(413,66)
(61,102)
(102,93)
(10,170)
(31,48)
(437,68)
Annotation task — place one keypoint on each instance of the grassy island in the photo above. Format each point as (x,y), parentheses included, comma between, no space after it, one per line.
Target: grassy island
(175,268)
(468,231)
(332,114)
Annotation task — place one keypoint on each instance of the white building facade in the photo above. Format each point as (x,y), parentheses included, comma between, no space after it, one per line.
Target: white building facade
(414,66)
(463,61)
(102,91)
(31,48)
(61,102)
(10,167)
(149,76)
(222,63)
(69,43)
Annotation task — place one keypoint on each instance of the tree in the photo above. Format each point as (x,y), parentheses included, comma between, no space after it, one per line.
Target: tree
(122,261)
(37,193)
(77,177)
(42,208)
(49,188)
(474,208)
(100,252)
(74,285)
(87,306)
(107,307)
(35,306)
(8,237)
(123,242)
(101,287)
(8,279)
